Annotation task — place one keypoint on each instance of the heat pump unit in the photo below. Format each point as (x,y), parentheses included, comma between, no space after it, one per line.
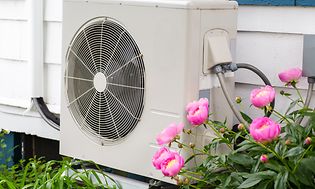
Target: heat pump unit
(130,67)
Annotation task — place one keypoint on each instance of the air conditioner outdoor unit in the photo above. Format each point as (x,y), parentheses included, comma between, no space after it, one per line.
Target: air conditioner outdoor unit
(130,67)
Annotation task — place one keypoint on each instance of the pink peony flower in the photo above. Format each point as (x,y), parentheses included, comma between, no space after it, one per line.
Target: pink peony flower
(264,129)
(172,165)
(160,156)
(263,96)
(291,75)
(264,158)
(169,133)
(198,111)
(308,141)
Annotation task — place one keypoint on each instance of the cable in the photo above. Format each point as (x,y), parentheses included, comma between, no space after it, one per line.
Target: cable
(227,96)
(48,116)
(262,76)
(311,82)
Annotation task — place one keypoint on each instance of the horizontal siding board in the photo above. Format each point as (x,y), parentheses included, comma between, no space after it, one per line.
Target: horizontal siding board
(267,2)
(296,20)
(17,10)
(305,2)
(14,43)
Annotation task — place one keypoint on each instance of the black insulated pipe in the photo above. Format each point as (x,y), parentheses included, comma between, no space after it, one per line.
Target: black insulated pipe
(46,114)
(262,76)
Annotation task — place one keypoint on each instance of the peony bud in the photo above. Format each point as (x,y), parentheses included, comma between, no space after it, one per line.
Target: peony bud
(179,182)
(189,131)
(238,100)
(264,158)
(240,126)
(186,181)
(282,92)
(176,178)
(308,141)
(269,108)
(288,142)
(192,145)
(222,130)
(180,145)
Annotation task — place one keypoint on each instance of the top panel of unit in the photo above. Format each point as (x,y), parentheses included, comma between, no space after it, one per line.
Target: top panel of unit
(178,4)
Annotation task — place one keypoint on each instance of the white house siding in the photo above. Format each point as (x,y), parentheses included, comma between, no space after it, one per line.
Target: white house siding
(14,69)
(270,38)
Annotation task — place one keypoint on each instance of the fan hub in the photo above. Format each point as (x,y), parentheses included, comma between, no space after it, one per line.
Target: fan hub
(100,82)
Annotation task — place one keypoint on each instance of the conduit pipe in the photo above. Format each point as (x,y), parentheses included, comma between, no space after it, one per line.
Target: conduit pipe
(36,61)
(36,52)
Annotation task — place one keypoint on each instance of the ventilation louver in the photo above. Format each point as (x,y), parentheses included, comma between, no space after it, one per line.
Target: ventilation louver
(105,80)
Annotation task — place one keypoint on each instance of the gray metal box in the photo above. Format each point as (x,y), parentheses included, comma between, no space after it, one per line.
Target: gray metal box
(309,56)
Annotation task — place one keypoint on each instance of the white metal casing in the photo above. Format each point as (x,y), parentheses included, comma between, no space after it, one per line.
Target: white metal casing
(170,35)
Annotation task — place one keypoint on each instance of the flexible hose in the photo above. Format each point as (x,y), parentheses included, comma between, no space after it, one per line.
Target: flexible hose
(227,96)
(309,94)
(308,98)
(262,76)
(44,112)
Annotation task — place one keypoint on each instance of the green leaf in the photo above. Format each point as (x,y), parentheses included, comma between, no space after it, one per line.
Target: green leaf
(292,105)
(281,180)
(246,117)
(251,181)
(242,159)
(244,147)
(294,151)
(263,185)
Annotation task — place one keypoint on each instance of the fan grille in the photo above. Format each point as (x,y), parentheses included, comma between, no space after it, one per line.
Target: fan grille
(104,80)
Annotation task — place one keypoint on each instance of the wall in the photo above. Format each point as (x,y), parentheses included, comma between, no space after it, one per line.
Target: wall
(14,70)
(269,37)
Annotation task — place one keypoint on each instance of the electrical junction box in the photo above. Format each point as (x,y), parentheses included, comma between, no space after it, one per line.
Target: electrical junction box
(309,56)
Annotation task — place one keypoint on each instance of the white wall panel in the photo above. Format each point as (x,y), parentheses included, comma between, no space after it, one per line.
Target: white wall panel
(14,82)
(52,86)
(53,10)
(270,52)
(12,35)
(17,10)
(12,10)
(52,40)
(299,20)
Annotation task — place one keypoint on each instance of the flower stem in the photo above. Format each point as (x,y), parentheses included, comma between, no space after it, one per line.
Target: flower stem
(186,146)
(281,116)
(299,94)
(194,178)
(299,161)
(219,135)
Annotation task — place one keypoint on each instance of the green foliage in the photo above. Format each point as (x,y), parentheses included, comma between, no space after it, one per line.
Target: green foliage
(291,161)
(37,173)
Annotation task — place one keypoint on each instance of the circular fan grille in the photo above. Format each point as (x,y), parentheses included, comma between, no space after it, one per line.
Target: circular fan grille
(105,80)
